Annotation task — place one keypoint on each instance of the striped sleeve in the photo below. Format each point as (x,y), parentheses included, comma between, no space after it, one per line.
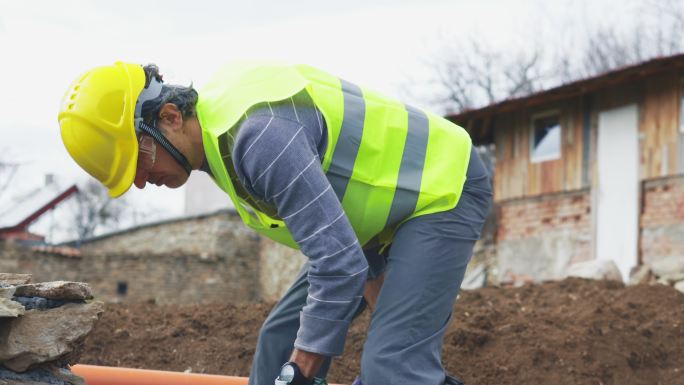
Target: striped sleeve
(277,157)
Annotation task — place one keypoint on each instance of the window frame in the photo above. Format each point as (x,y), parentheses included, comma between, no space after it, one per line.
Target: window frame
(533,119)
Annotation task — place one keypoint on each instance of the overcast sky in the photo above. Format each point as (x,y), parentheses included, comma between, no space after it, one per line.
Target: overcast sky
(44,45)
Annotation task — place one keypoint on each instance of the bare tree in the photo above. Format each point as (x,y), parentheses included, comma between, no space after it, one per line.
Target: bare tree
(606,50)
(480,75)
(669,27)
(659,31)
(523,75)
(475,75)
(94,209)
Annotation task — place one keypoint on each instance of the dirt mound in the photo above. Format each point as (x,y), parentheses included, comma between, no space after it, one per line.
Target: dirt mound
(570,332)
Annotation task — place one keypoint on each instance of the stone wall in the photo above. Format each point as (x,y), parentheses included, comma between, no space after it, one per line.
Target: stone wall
(662,219)
(200,259)
(206,236)
(538,238)
(278,268)
(135,277)
(206,258)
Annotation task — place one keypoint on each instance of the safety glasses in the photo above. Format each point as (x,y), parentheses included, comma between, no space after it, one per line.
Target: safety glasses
(147,154)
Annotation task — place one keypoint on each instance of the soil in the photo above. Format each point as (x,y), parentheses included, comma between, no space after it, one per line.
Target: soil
(568,332)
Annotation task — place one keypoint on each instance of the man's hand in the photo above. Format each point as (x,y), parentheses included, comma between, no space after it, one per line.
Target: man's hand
(372,290)
(309,363)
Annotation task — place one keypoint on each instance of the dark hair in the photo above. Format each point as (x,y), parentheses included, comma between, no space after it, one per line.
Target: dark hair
(185,98)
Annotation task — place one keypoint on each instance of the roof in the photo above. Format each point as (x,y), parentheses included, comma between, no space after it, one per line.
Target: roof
(30,206)
(576,88)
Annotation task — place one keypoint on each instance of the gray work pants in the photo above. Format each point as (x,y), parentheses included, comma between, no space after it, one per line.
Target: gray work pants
(424,269)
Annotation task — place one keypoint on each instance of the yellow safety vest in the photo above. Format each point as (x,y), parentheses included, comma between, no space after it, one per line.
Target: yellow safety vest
(387,162)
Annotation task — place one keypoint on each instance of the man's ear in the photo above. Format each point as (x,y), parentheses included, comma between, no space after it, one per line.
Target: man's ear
(171,116)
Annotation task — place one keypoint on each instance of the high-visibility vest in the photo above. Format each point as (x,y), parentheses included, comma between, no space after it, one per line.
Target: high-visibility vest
(386,161)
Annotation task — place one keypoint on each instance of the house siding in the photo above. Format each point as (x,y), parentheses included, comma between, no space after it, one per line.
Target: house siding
(659,127)
(516,176)
(659,101)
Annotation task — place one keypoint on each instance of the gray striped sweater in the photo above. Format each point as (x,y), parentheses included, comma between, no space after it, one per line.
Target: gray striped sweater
(277,156)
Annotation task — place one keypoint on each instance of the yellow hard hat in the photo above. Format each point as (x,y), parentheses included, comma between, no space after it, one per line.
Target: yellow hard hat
(97,123)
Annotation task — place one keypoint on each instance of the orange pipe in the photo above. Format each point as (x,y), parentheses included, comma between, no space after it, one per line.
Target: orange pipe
(106,375)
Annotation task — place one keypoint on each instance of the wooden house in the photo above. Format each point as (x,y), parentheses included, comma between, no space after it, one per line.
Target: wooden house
(593,169)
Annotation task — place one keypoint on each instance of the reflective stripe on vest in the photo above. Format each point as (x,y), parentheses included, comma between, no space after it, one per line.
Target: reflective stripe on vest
(344,156)
(405,195)
(411,169)
(387,162)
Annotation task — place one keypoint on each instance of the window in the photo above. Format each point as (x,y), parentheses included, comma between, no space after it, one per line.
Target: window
(121,288)
(546,138)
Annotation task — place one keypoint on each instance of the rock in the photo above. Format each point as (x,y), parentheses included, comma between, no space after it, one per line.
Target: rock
(50,374)
(15,279)
(40,303)
(679,286)
(9,308)
(668,265)
(7,292)
(642,274)
(595,269)
(672,278)
(55,290)
(20,381)
(475,278)
(66,375)
(48,335)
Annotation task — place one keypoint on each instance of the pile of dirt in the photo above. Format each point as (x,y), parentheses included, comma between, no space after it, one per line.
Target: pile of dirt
(569,332)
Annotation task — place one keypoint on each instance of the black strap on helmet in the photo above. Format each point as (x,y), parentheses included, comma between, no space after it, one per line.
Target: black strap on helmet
(170,148)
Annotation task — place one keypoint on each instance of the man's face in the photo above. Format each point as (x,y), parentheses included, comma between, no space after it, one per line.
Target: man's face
(157,166)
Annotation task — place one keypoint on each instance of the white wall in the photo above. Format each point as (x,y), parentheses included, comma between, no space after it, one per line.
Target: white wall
(202,196)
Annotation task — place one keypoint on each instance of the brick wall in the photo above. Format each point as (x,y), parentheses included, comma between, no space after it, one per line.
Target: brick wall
(539,237)
(662,218)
